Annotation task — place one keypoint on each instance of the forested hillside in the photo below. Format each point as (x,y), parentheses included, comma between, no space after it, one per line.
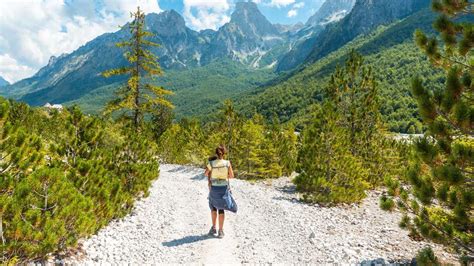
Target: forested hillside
(196,93)
(324,132)
(365,16)
(390,51)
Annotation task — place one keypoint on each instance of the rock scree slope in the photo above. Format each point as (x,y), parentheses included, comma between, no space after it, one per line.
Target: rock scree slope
(271,226)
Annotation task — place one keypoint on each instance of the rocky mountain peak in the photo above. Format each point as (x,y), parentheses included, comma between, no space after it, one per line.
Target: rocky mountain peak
(167,23)
(245,9)
(248,18)
(331,11)
(387,10)
(3,82)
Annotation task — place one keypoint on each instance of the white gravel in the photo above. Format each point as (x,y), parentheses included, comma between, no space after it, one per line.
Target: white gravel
(271,226)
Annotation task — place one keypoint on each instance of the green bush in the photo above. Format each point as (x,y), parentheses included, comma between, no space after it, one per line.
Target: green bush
(426,257)
(256,148)
(64,176)
(386,203)
(344,150)
(329,173)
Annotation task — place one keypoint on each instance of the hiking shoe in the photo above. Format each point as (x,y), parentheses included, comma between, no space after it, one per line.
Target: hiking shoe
(212,231)
(221,234)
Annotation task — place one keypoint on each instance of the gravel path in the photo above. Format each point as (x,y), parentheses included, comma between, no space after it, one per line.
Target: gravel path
(271,226)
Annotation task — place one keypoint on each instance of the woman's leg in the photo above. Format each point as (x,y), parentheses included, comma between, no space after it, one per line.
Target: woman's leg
(221,219)
(214,217)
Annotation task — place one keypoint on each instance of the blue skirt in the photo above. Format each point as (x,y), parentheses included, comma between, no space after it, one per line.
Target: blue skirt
(216,199)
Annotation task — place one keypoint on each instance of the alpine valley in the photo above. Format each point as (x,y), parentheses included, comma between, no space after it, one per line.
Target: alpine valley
(313,128)
(270,68)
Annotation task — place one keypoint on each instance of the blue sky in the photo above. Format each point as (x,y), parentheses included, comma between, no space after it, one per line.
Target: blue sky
(31,31)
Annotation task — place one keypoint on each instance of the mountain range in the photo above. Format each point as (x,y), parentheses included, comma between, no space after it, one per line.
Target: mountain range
(3,82)
(246,56)
(364,17)
(248,40)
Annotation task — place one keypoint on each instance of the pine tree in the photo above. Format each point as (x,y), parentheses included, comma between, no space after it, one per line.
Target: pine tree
(43,214)
(229,125)
(248,151)
(268,150)
(171,144)
(285,141)
(138,97)
(20,152)
(161,121)
(442,173)
(329,173)
(355,94)
(193,137)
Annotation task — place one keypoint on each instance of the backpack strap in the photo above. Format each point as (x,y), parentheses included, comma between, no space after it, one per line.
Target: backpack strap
(228,180)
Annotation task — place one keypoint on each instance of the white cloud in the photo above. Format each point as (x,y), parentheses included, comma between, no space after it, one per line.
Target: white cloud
(298,5)
(126,6)
(12,70)
(206,14)
(292,13)
(281,3)
(32,31)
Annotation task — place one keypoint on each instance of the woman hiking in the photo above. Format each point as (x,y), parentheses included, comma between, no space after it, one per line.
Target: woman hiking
(218,171)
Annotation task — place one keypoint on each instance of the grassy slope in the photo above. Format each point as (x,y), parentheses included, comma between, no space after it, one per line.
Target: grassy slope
(197,91)
(395,60)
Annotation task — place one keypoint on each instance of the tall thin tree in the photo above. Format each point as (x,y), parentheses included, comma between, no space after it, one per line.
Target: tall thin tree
(138,96)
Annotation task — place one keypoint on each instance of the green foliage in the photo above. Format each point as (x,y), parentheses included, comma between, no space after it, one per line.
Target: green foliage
(426,257)
(198,91)
(387,203)
(184,143)
(389,51)
(285,141)
(136,96)
(356,97)
(440,195)
(63,175)
(344,150)
(255,148)
(328,172)
(161,121)
(250,144)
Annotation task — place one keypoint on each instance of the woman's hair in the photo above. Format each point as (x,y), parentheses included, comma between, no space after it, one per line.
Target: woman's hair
(220,151)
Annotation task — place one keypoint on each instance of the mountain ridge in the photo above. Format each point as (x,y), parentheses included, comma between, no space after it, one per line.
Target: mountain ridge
(248,44)
(328,10)
(291,98)
(381,12)
(248,38)
(3,82)
(364,17)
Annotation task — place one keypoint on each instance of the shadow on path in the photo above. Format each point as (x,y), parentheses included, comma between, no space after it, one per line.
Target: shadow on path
(292,200)
(199,177)
(380,261)
(186,240)
(288,189)
(182,169)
